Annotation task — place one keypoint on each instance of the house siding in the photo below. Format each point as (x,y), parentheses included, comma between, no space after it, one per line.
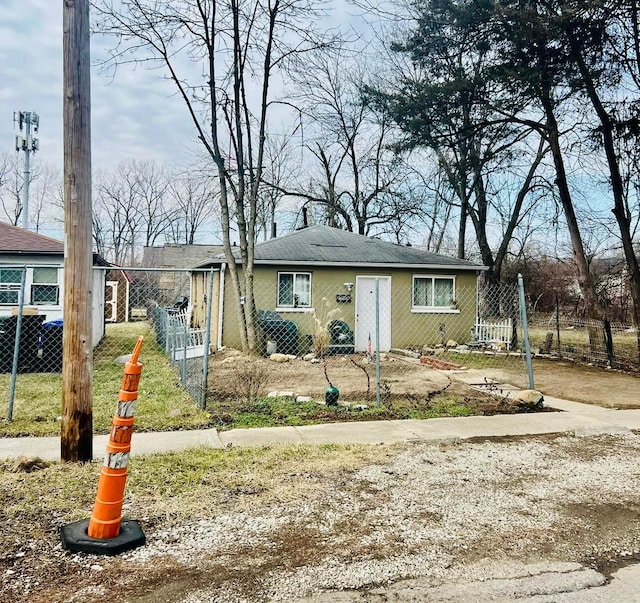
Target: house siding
(407,328)
(55,311)
(199,293)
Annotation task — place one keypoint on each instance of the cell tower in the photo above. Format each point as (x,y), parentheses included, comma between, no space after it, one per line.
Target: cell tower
(27,143)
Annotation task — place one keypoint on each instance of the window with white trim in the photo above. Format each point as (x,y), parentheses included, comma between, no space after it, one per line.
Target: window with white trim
(10,283)
(45,289)
(294,290)
(432,292)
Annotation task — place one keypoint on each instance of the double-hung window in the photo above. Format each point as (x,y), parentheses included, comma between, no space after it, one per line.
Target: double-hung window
(45,289)
(10,283)
(294,290)
(433,293)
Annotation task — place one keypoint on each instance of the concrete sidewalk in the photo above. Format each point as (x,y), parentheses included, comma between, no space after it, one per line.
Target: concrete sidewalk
(581,419)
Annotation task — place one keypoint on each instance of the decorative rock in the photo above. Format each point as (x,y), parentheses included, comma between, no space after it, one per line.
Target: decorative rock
(309,356)
(277,394)
(351,406)
(529,398)
(232,360)
(314,361)
(291,356)
(279,357)
(403,352)
(427,350)
(364,361)
(452,343)
(304,399)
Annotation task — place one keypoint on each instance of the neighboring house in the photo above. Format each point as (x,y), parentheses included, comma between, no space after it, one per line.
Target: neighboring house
(44,286)
(322,272)
(174,281)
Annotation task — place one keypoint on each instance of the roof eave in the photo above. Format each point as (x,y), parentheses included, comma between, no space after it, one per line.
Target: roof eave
(388,265)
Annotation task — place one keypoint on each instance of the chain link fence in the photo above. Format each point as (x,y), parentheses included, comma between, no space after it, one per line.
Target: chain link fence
(371,336)
(194,318)
(597,342)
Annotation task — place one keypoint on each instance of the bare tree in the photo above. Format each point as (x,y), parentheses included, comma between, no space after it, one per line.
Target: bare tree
(194,200)
(11,185)
(45,195)
(237,47)
(357,179)
(152,186)
(115,214)
(44,186)
(281,168)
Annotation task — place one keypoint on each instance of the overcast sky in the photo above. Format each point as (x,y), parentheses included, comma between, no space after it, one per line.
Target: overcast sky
(134,115)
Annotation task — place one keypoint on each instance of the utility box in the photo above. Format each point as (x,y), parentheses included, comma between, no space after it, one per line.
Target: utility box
(283,332)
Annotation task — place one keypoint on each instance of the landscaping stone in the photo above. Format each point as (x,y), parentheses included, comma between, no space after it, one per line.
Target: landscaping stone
(452,343)
(308,357)
(279,394)
(351,406)
(277,357)
(427,350)
(529,398)
(408,353)
(234,359)
(314,361)
(304,399)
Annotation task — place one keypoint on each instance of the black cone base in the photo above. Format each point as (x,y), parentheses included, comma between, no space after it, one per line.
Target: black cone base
(74,538)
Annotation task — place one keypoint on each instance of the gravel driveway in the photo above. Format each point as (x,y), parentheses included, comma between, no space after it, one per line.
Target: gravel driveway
(435,512)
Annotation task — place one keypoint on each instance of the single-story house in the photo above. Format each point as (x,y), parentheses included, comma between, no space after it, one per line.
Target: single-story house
(43,258)
(321,274)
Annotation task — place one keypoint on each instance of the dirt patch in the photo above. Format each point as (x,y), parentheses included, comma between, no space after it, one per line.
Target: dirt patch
(348,373)
(569,381)
(408,389)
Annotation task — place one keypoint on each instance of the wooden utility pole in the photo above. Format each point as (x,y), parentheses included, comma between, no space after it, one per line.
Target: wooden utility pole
(77,360)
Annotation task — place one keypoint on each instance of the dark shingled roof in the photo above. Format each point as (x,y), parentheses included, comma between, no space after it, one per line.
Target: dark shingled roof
(18,240)
(326,246)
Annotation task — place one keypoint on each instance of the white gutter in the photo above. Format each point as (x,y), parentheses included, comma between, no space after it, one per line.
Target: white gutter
(377,265)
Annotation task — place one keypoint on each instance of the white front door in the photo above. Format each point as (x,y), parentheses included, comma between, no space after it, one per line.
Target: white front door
(111,301)
(366,313)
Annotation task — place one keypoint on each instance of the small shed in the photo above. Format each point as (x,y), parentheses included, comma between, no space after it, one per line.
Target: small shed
(117,294)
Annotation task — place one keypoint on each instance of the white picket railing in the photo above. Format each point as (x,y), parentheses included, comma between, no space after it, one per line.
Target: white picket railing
(494,332)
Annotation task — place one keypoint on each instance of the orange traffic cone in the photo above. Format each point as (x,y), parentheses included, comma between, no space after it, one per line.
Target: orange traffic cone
(105,532)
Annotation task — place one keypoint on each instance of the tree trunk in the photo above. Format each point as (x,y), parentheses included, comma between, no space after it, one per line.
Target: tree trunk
(585,282)
(617,187)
